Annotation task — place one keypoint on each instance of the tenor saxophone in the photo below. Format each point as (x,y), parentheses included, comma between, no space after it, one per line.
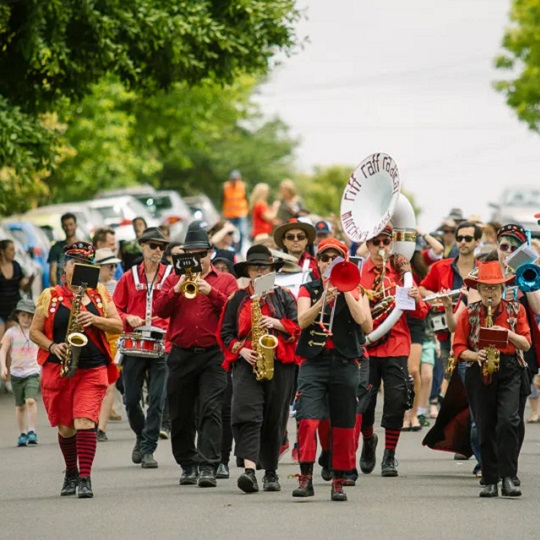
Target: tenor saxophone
(75,337)
(263,343)
(492,362)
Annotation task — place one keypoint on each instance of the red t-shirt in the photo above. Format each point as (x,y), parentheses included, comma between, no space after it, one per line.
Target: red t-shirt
(259,225)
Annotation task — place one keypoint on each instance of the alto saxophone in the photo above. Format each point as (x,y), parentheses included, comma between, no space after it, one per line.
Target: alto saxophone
(492,362)
(263,343)
(75,337)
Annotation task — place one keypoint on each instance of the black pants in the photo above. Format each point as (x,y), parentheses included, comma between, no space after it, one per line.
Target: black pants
(496,407)
(134,371)
(195,393)
(393,372)
(227,436)
(258,412)
(526,381)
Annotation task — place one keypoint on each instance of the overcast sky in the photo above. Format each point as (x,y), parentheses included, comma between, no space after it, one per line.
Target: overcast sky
(411,78)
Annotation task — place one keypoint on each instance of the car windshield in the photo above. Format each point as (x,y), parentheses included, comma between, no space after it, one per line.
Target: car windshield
(520,197)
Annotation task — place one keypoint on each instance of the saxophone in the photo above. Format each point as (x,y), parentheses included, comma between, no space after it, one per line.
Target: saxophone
(492,363)
(75,337)
(263,344)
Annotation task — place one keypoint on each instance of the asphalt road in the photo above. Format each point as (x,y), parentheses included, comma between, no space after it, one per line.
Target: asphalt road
(434,497)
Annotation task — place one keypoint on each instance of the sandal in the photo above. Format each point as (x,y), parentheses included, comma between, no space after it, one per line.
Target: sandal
(406,426)
(533,419)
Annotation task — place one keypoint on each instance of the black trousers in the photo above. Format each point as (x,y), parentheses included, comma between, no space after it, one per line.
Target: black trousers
(134,371)
(392,370)
(258,412)
(227,436)
(195,390)
(496,407)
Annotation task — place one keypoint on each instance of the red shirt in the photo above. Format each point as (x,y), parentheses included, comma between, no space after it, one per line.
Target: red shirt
(132,301)
(440,276)
(500,318)
(259,224)
(193,323)
(399,340)
(313,266)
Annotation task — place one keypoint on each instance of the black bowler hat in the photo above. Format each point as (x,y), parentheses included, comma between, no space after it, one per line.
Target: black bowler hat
(260,255)
(196,237)
(152,234)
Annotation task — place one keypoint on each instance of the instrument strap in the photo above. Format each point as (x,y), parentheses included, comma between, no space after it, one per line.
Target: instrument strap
(149,288)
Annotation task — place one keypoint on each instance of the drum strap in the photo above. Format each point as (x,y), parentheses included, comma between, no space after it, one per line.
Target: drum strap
(149,288)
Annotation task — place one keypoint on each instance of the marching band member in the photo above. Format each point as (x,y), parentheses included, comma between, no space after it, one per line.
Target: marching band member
(135,296)
(197,380)
(73,403)
(329,377)
(494,393)
(259,406)
(388,356)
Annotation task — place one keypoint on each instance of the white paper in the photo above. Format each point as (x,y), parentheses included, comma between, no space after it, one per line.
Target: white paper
(403,300)
(264,284)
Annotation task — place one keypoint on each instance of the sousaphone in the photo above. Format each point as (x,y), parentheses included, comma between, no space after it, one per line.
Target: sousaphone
(370,200)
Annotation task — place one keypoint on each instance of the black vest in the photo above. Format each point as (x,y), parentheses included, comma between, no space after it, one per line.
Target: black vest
(347,335)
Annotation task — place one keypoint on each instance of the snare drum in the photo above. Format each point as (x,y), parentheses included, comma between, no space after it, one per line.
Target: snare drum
(135,344)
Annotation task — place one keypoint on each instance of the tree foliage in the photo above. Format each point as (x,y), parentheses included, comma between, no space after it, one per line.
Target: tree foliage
(521,58)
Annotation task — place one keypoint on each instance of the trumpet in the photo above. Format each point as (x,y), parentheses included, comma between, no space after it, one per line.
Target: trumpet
(190,289)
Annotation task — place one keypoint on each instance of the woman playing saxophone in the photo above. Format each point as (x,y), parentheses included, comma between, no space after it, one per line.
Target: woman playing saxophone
(73,402)
(260,401)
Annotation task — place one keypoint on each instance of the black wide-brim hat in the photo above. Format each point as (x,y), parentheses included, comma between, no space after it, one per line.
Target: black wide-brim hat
(257,255)
(152,234)
(280,231)
(196,237)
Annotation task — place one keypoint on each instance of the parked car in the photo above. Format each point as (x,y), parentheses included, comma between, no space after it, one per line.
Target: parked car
(119,213)
(518,205)
(49,219)
(203,208)
(35,242)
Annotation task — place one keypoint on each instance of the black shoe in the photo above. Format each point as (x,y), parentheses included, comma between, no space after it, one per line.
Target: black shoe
(222,471)
(102,436)
(84,490)
(271,481)
(247,481)
(71,480)
(337,493)
(350,477)
(490,490)
(305,486)
(389,463)
(136,455)
(460,457)
(517,481)
(325,462)
(509,489)
(368,457)
(148,462)
(189,476)
(164,433)
(207,476)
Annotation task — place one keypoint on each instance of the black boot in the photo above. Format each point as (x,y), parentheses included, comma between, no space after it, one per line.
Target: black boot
(247,482)
(84,490)
(305,481)
(136,455)
(368,457)
(71,480)
(271,481)
(509,489)
(490,490)
(337,493)
(325,461)
(389,463)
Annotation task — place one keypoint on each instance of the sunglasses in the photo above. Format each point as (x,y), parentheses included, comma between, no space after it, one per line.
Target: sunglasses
(292,237)
(381,242)
(324,257)
(507,247)
(448,231)
(467,238)
(161,247)
(111,266)
(198,254)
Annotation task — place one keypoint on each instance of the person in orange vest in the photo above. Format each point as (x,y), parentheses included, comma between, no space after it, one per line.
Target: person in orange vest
(235,205)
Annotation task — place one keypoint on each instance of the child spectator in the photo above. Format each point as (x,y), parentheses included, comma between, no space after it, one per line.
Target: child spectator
(24,370)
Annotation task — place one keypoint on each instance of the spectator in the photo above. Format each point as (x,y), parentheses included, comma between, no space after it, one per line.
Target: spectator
(56,254)
(324,231)
(105,237)
(131,252)
(262,215)
(235,205)
(222,235)
(291,205)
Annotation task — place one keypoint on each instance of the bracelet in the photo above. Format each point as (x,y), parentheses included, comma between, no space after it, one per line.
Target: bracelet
(50,347)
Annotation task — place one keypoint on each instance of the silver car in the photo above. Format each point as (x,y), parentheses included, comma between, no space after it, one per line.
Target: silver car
(518,205)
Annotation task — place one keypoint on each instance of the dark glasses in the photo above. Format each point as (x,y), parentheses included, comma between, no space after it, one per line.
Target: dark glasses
(325,257)
(292,237)
(381,242)
(447,231)
(198,254)
(161,247)
(258,267)
(467,238)
(507,247)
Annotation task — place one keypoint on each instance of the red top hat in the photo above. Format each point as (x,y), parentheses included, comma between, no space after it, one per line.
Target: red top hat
(488,273)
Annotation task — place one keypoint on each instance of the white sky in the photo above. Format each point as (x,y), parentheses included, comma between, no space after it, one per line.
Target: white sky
(411,78)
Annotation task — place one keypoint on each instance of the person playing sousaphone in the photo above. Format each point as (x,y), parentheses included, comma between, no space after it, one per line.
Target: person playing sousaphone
(491,336)
(260,399)
(135,296)
(73,398)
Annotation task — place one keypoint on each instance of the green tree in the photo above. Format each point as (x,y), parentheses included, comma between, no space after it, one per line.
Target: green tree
(521,58)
